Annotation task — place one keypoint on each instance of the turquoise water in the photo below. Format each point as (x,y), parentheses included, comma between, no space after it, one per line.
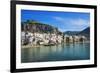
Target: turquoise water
(61,52)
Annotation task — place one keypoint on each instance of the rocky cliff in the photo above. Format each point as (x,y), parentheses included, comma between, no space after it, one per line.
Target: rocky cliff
(35,26)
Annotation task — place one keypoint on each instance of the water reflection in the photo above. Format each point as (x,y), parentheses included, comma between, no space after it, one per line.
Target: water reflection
(65,51)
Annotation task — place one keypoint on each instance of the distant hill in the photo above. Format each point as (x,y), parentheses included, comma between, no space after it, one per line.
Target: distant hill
(85,32)
(71,32)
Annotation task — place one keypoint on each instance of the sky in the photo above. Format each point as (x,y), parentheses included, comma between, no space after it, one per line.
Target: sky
(64,21)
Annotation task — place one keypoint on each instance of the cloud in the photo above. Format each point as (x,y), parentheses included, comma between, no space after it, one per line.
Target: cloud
(72,21)
(79,22)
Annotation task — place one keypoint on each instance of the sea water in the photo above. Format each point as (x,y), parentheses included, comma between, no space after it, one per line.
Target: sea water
(60,52)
